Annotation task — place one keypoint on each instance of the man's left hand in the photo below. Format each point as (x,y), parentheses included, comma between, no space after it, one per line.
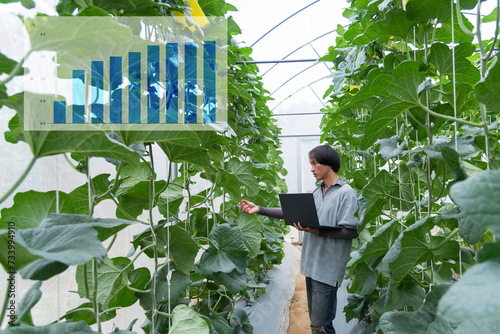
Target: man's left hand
(299,227)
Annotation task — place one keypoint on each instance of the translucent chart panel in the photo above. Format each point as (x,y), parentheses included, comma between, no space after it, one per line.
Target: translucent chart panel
(125,73)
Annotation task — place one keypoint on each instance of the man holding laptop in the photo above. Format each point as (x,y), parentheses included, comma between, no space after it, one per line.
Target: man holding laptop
(327,243)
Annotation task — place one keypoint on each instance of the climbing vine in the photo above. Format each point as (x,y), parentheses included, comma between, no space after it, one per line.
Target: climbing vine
(204,256)
(414,110)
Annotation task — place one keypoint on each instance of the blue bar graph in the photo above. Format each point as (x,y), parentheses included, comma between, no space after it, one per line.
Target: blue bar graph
(149,74)
(191,86)
(172,83)
(153,84)
(59,112)
(158,90)
(134,92)
(209,82)
(115,98)
(78,96)
(97,84)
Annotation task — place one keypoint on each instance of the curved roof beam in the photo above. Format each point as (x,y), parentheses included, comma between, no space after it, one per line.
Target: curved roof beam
(298,90)
(300,47)
(276,26)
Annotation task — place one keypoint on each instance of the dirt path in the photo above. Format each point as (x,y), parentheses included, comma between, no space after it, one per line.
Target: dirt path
(299,318)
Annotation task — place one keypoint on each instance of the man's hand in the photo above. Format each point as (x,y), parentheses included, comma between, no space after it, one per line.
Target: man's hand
(248,207)
(299,227)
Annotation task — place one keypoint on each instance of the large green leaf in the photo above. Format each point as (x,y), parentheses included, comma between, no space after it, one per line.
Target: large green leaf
(491,16)
(250,227)
(243,171)
(57,328)
(112,282)
(87,143)
(78,37)
(170,200)
(465,301)
(31,207)
(136,200)
(183,138)
(226,252)
(478,197)
(417,321)
(174,239)
(183,249)
(170,287)
(399,92)
(10,247)
(441,56)
(412,247)
(424,10)
(452,160)
(487,90)
(396,24)
(132,175)
(377,245)
(105,227)
(66,244)
(374,193)
(30,299)
(42,269)
(390,148)
(85,312)
(236,282)
(180,153)
(7,65)
(79,197)
(409,294)
(186,320)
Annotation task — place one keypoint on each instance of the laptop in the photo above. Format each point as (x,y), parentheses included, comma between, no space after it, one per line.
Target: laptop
(301,208)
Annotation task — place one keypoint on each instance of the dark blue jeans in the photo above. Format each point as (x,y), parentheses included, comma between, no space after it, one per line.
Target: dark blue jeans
(322,305)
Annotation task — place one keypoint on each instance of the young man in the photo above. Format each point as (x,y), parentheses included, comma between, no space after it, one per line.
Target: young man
(324,252)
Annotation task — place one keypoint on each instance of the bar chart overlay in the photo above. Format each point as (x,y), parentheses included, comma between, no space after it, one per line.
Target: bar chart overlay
(145,74)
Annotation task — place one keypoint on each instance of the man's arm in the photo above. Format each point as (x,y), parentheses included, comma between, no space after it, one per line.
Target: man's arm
(271,212)
(250,208)
(344,233)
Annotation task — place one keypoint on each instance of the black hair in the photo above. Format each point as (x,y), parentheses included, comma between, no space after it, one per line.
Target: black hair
(326,155)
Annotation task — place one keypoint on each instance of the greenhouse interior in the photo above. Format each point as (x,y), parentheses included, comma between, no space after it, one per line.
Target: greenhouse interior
(161,191)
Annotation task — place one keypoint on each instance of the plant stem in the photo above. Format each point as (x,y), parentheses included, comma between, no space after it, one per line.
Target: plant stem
(137,290)
(112,242)
(15,69)
(153,236)
(85,281)
(19,181)
(496,31)
(136,256)
(164,314)
(450,118)
(448,238)
(460,22)
(94,297)
(125,213)
(115,185)
(5,303)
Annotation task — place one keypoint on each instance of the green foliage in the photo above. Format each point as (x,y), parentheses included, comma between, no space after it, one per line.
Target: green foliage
(56,230)
(428,189)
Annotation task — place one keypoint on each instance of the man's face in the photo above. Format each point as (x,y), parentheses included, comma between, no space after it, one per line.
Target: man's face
(319,171)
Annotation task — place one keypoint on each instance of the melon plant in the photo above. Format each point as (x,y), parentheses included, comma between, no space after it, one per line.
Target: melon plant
(203,255)
(414,109)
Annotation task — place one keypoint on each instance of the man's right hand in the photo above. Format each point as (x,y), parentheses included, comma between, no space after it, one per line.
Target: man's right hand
(248,207)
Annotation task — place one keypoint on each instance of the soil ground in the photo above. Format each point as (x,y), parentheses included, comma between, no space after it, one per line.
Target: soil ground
(299,318)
